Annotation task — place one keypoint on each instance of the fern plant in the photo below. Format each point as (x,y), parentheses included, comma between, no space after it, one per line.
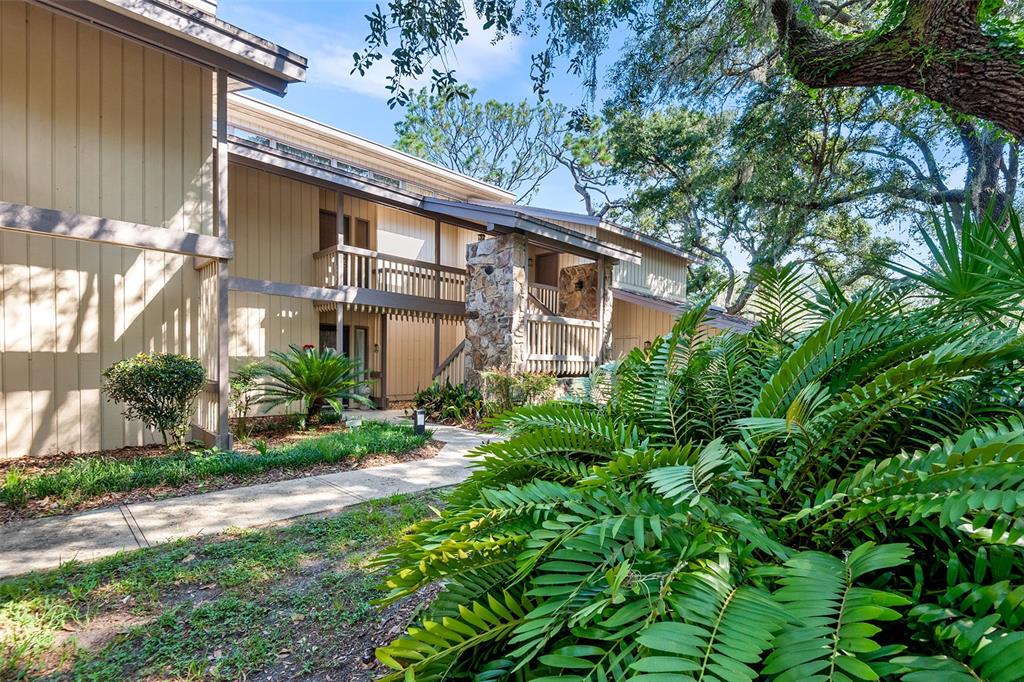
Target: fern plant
(837,495)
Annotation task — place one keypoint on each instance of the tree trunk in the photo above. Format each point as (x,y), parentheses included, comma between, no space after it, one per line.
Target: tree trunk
(937,50)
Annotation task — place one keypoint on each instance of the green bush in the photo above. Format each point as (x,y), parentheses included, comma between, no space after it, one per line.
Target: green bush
(447,402)
(837,495)
(159,390)
(241,397)
(506,390)
(316,378)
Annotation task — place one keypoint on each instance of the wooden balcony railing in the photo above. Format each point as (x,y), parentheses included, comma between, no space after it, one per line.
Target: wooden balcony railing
(562,345)
(350,266)
(545,297)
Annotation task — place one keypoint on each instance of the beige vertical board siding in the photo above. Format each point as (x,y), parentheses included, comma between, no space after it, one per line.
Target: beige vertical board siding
(275,227)
(658,273)
(633,325)
(454,241)
(94,124)
(410,356)
(404,234)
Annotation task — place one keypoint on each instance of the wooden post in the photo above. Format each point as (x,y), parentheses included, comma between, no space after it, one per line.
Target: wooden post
(437,294)
(339,314)
(220,191)
(384,361)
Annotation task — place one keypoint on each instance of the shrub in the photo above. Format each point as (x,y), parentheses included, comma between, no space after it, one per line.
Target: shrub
(159,390)
(448,402)
(506,390)
(837,495)
(242,385)
(317,378)
(88,477)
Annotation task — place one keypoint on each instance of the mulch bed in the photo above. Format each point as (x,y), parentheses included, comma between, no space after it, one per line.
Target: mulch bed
(46,507)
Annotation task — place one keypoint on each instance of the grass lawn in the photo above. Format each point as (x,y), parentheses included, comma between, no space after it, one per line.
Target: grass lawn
(73,483)
(291,602)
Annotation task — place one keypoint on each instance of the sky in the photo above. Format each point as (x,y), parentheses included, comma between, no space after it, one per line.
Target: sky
(328,32)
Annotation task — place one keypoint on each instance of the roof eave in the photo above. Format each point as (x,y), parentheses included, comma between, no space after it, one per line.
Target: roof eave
(180,29)
(514,219)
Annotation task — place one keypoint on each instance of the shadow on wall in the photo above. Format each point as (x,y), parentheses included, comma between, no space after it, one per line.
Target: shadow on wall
(70,310)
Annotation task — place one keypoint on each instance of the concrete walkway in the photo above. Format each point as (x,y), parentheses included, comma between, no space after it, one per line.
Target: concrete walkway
(47,542)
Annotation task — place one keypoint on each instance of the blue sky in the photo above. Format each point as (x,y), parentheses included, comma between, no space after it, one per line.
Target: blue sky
(328,32)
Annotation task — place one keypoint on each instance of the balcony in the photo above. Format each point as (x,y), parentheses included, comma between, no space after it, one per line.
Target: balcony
(348,266)
(564,346)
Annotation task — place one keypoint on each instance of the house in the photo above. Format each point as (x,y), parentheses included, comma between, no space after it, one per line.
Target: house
(147,204)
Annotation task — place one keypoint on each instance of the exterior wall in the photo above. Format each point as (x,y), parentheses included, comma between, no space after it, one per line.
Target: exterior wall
(658,273)
(411,352)
(93,124)
(404,234)
(275,225)
(633,325)
(578,292)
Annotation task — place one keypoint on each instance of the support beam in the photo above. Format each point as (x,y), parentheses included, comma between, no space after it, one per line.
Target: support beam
(339,314)
(52,223)
(351,295)
(384,362)
(223,273)
(437,294)
(223,357)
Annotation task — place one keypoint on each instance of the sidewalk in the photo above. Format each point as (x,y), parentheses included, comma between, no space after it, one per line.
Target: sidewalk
(46,543)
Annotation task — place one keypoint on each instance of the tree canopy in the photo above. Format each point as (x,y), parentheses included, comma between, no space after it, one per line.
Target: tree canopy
(501,143)
(967,55)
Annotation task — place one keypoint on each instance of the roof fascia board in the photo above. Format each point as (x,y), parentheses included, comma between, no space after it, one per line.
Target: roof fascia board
(192,35)
(511,217)
(382,152)
(601,223)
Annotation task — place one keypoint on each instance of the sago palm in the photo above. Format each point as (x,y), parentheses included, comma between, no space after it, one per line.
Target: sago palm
(836,495)
(316,378)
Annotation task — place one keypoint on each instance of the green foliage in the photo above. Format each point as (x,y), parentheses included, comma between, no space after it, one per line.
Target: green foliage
(836,495)
(504,144)
(157,389)
(241,397)
(86,478)
(505,390)
(316,378)
(450,403)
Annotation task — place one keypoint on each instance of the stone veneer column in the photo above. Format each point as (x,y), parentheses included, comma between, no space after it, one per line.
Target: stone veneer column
(496,306)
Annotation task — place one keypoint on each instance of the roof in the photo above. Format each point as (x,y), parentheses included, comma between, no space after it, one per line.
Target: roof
(601,223)
(196,35)
(511,216)
(507,218)
(716,316)
(380,152)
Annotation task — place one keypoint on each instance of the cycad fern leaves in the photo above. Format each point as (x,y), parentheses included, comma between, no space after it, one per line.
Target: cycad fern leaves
(830,617)
(724,629)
